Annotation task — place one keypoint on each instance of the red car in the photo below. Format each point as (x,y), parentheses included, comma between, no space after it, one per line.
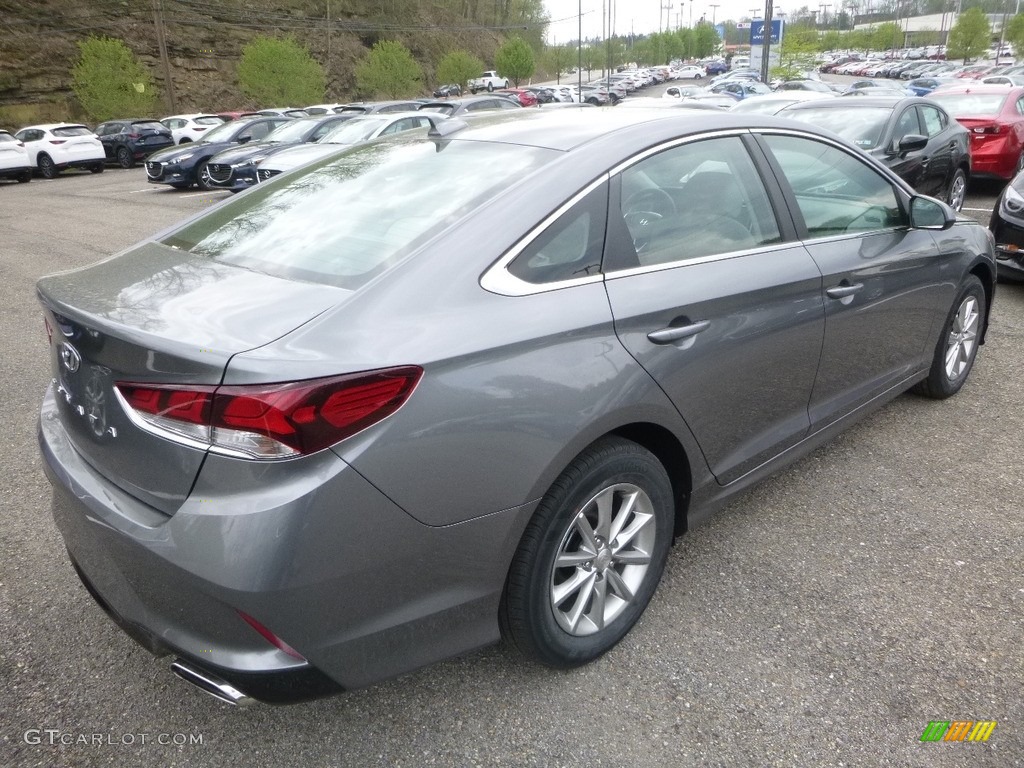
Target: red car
(524,97)
(994,114)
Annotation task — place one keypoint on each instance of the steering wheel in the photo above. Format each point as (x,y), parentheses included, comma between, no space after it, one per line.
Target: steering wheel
(642,210)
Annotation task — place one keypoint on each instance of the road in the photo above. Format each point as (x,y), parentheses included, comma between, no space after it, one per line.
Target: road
(823,619)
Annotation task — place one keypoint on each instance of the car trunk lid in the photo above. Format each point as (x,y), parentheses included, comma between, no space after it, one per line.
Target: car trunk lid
(147,317)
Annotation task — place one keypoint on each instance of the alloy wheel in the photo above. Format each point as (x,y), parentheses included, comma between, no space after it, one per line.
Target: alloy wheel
(602,560)
(963,335)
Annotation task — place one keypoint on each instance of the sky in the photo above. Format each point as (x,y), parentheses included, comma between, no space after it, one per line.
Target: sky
(643,15)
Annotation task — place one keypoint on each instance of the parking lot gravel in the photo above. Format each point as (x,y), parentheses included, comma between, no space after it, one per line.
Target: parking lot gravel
(823,619)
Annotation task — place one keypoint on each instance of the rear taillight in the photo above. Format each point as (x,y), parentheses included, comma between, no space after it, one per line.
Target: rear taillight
(57,141)
(197,129)
(991,130)
(134,135)
(270,421)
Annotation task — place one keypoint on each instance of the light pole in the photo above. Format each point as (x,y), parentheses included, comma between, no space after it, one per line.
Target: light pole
(714,12)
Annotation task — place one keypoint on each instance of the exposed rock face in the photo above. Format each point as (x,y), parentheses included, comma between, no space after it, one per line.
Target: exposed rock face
(38,45)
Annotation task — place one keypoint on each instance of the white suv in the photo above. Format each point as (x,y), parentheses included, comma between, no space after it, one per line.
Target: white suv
(186,128)
(14,162)
(52,148)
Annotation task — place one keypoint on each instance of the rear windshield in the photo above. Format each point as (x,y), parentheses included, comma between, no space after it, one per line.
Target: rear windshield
(356,130)
(861,126)
(71,130)
(150,125)
(208,120)
(444,109)
(5,136)
(967,104)
(346,219)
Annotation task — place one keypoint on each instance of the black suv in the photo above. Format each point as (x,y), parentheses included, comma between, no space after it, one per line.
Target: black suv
(125,141)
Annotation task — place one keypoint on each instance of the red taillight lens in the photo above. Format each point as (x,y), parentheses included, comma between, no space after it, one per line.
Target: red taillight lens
(990,130)
(57,141)
(134,135)
(270,637)
(276,420)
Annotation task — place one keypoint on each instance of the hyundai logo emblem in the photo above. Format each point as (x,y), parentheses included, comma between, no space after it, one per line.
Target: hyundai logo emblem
(69,357)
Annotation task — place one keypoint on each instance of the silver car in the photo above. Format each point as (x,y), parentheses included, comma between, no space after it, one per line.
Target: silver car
(441,388)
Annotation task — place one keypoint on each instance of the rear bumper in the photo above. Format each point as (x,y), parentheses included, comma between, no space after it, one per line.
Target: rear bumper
(307,547)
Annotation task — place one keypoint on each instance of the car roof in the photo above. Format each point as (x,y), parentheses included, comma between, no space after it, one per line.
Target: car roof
(51,126)
(984,88)
(190,116)
(566,129)
(862,103)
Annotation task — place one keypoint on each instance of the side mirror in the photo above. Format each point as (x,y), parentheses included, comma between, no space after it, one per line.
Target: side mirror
(912,142)
(929,213)
(244,139)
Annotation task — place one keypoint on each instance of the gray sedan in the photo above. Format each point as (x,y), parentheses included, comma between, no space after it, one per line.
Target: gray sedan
(441,388)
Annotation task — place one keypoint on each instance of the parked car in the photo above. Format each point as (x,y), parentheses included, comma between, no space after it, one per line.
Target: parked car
(182,166)
(741,89)
(292,112)
(321,109)
(1007,226)
(447,91)
(690,72)
(128,141)
(682,91)
(356,131)
(402,420)
(805,85)
(469,104)
(186,128)
(914,137)
(488,81)
(54,147)
(373,107)
(775,102)
(14,162)
(994,115)
(235,168)
(522,96)
(922,86)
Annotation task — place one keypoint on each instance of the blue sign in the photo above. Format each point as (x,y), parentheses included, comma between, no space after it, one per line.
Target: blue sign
(720,29)
(757,32)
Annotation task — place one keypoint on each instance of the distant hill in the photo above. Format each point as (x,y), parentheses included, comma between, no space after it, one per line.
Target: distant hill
(205,37)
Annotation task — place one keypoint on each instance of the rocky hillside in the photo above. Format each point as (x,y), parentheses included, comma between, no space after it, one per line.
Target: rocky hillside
(204,39)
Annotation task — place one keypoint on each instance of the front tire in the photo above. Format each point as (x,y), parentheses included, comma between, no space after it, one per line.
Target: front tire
(203,177)
(25,178)
(957,191)
(591,557)
(490,87)
(957,347)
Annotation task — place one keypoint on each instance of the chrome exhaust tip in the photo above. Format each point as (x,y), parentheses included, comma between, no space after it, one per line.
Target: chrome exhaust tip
(211,684)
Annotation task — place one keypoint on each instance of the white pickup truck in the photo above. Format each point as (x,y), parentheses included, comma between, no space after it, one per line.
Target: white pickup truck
(488,81)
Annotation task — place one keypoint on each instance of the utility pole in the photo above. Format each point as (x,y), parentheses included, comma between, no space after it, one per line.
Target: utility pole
(767,43)
(328,67)
(714,12)
(161,42)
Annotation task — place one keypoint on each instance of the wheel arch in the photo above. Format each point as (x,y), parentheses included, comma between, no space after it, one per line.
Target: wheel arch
(985,274)
(673,457)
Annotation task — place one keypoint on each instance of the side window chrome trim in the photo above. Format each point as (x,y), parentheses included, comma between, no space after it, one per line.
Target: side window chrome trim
(761,249)
(497,279)
(676,143)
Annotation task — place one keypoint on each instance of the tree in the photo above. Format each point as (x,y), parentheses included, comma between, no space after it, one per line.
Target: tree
(275,71)
(515,60)
(390,69)
(796,56)
(559,59)
(970,36)
(705,40)
(1015,33)
(458,67)
(110,82)
(887,36)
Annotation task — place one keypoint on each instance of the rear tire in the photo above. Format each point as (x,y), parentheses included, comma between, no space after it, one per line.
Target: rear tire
(125,158)
(957,191)
(591,557)
(957,347)
(25,177)
(47,168)
(98,168)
